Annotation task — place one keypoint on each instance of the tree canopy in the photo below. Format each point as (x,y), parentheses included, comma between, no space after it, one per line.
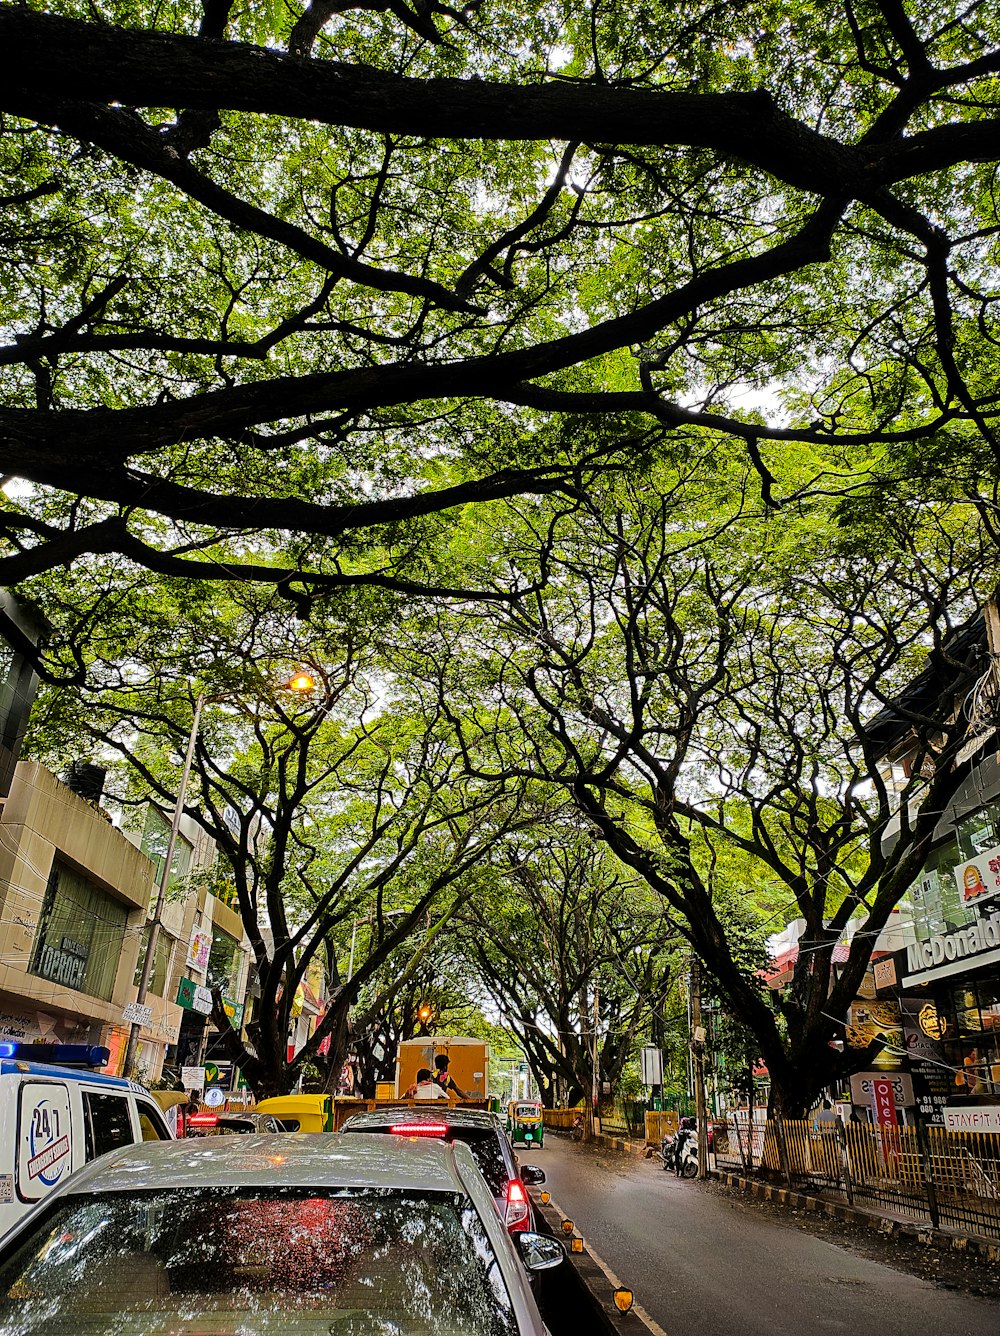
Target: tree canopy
(286,283)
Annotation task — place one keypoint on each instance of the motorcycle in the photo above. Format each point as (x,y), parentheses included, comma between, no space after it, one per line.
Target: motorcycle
(680,1153)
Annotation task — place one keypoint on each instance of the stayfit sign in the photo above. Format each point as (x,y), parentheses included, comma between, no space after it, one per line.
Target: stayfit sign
(943,955)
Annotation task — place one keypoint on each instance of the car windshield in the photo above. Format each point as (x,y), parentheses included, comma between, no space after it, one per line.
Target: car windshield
(486,1150)
(252,1262)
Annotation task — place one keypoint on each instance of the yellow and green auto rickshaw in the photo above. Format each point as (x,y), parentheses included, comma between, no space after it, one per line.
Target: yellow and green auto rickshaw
(524,1122)
(300,1113)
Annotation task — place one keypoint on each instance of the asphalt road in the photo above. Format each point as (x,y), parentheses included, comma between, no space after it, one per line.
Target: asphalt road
(703,1265)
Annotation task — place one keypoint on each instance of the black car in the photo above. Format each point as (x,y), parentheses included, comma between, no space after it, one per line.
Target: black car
(485,1137)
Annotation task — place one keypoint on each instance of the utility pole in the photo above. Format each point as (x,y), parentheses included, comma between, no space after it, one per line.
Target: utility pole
(698,1056)
(154,926)
(595,1080)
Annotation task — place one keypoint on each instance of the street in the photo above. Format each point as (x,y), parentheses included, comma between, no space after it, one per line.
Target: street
(701,1265)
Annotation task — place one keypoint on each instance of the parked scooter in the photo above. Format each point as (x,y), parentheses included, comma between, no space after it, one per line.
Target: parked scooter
(680,1152)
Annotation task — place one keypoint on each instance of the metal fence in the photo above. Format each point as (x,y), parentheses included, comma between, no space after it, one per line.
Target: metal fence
(623,1119)
(627,1118)
(945,1178)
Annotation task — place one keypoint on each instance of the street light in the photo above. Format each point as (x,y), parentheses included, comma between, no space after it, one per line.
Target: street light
(301,682)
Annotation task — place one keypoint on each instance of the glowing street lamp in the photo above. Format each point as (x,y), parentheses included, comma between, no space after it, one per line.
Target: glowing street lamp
(301,681)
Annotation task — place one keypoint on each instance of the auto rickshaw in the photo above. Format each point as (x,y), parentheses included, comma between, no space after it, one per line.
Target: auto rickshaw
(173,1103)
(524,1122)
(300,1113)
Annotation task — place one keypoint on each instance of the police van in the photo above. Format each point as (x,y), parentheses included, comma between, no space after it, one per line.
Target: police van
(57,1113)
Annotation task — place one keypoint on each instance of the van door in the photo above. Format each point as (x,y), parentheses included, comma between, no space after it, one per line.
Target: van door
(44,1139)
(107,1122)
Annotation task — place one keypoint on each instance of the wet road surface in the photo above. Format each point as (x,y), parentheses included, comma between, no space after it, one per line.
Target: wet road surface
(702,1264)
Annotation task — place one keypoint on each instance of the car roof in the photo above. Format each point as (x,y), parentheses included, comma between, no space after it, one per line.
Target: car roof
(431,1112)
(291,1159)
(14,1067)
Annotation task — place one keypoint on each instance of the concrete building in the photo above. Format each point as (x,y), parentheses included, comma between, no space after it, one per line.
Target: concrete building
(74,894)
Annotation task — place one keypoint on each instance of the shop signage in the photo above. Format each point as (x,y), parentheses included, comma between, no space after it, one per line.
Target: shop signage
(979,878)
(194,997)
(984,1119)
(941,953)
(200,949)
(885,973)
(60,965)
(193,1078)
(877,1022)
(862,1085)
(969,749)
(883,1102)
(234,1011)
(929,1070)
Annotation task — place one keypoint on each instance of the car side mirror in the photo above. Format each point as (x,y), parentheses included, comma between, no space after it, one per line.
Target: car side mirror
(539,1252)
(532,1174)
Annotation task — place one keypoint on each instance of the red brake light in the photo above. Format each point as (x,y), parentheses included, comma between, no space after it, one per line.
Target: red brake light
(202,1119)
(419,1129)
(517,1215)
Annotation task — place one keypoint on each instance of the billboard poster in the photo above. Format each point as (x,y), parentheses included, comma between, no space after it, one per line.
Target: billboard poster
(979,877)
(200,949)
(877,1021)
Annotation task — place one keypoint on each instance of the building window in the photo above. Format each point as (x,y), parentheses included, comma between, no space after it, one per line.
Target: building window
(155,838)
(222,961)
(80,934)
(161,965)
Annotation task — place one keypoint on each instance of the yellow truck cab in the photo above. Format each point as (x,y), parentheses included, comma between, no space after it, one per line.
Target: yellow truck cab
(57,1113)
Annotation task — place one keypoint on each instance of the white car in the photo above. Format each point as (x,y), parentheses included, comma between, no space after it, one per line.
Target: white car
(360,1235)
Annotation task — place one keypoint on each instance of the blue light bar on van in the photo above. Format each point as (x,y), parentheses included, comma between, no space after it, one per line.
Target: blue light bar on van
(62,1055)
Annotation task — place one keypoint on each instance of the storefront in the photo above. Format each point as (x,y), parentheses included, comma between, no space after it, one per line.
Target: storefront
(949,973)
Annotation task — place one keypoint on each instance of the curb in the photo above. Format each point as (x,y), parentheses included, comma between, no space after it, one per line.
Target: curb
(804,1201)
(603,1142)
(598,1280)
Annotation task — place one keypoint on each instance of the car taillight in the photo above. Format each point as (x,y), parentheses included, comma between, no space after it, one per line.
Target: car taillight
(202,1119)
(518,1214)
(419,1129)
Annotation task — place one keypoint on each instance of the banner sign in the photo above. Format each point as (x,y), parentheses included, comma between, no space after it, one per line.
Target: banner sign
(983,1119)
(194,997)
(883,1103)
(200,949)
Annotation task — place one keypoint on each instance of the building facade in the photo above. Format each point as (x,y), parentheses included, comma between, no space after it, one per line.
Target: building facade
(76,897)
(73,898)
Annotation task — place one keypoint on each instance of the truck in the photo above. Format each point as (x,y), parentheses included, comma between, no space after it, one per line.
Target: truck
(468,1063)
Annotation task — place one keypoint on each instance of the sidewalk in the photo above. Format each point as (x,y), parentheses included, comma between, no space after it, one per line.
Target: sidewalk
(886,1222)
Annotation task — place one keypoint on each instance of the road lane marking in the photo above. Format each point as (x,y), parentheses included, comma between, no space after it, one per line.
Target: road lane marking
(616,1284)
